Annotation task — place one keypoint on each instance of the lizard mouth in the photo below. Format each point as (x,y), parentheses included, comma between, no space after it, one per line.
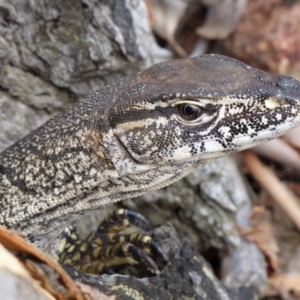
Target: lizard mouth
(125,152)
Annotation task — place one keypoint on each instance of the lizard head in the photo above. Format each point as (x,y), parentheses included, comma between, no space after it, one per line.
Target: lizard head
(202,108)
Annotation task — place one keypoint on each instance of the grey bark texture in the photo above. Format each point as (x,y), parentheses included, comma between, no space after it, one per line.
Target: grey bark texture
(53,52)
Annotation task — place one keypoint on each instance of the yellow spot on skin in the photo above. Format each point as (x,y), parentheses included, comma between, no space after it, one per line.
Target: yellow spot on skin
(272,103)
(98,241)
(146,239)
(83,247)
(87,258)
(62,245)
(85,268)
(133,237)
(76,256)
(73,236)
(67,261)
(71,249)
(96,252)
(121,211)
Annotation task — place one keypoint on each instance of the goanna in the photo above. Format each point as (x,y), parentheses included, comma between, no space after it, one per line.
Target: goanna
(139,135)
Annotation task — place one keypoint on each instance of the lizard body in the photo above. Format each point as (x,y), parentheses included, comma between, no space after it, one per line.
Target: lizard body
(139,135)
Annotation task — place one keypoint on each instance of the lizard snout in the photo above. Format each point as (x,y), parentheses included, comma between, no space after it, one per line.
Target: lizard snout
(287,82)
(289,88)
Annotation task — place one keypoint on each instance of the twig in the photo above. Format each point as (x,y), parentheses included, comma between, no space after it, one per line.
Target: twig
(270,182)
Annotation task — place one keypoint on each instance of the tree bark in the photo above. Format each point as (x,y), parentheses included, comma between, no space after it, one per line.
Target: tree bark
(53,52)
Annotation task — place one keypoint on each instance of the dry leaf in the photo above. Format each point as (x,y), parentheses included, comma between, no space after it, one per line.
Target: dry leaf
(16,282)
(262,234)
(288,281)
(12,242)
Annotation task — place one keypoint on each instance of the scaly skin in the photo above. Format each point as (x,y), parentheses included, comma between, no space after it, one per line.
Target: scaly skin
(139,135)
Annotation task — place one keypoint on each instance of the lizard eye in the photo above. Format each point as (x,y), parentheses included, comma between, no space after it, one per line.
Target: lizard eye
(189,111)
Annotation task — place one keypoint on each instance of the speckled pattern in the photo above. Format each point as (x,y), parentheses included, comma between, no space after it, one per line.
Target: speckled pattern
(136,136)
